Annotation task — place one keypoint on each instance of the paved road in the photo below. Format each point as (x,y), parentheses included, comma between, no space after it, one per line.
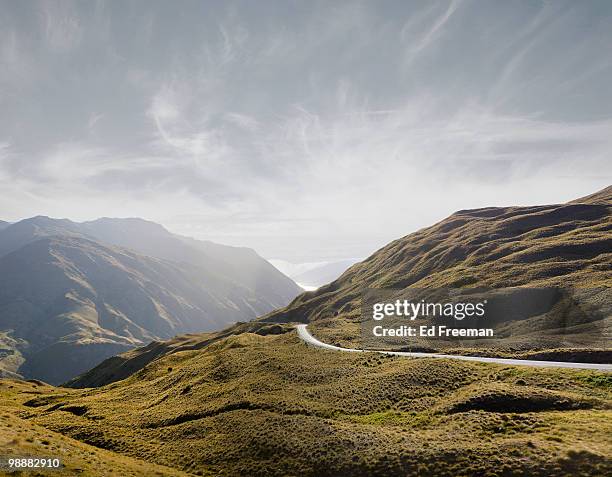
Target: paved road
(305,335)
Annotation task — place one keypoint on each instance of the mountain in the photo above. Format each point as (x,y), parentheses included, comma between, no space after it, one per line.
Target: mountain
(322,274)
(311,275)
(562,245)
(74,294)
(124,365)
(602,197)
(253,399)
(29,230)
(541,246)
(4,224)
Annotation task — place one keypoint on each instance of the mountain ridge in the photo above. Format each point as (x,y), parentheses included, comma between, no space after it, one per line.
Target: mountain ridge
(333,309)
(253,399)
(87,294)
(469,248)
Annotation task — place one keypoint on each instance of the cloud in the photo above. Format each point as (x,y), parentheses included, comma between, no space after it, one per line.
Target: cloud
(61,25)
(312,131)
(243,121)
(234,40)
(93,120)
(436,28)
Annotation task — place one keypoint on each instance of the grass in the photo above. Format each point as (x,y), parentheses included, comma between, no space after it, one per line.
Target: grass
(511,250)
(255,400)
(21,437)
(269,405)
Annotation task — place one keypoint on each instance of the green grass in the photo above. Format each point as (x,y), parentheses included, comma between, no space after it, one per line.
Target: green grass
(599,380)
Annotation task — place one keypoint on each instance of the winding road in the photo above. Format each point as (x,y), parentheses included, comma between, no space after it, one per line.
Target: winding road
(305,335)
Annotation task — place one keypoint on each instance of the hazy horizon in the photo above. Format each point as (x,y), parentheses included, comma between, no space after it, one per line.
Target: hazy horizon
(308,131)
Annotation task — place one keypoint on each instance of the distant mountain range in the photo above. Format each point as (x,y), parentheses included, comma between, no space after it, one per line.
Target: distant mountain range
(313,275)
(541,246)
(323,274)
(72,294)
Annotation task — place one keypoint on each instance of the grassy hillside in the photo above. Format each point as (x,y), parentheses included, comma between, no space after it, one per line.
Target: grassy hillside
(253,399)
(563,245)
(21,437)
(602,197)
(567,245)
(124,365)
(269,405)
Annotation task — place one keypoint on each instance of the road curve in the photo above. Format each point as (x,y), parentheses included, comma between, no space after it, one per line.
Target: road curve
(305,335)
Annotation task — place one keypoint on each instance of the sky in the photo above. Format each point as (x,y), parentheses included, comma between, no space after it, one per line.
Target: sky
(310,131)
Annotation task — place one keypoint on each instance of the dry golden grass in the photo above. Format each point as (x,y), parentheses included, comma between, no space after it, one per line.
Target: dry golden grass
(270,405)
(255,400)
(567,246)
(22,437)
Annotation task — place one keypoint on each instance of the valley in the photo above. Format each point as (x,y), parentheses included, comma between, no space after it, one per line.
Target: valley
(72,295)
(276,395)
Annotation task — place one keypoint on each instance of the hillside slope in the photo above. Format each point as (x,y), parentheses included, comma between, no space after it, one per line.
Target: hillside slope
(567,245)
(602,197)
(270,406)
(563,245)
(68,300)
(254,399)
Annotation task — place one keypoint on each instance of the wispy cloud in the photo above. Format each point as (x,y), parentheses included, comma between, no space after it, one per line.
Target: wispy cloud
(61,25)
(316,129)
(436,28)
